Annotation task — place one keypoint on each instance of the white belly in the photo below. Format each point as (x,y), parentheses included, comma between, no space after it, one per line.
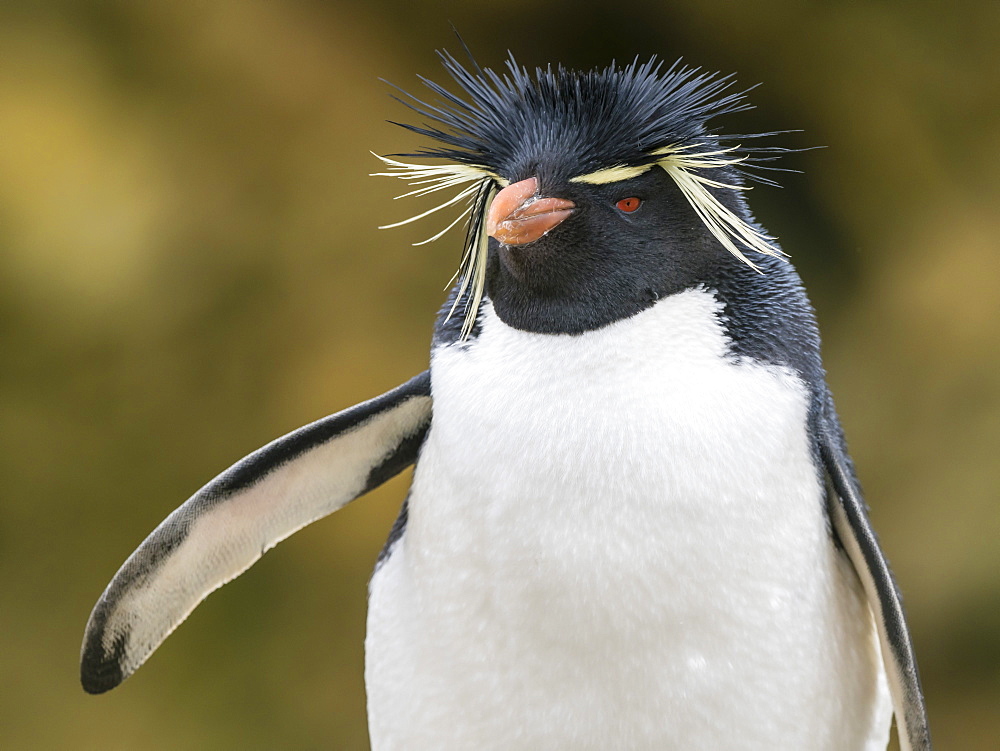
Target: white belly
(617,541)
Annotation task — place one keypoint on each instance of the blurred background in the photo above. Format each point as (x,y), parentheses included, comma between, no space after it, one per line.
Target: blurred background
(190,267)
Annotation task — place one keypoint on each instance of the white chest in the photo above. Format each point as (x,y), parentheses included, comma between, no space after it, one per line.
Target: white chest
(582,466)
(618,538)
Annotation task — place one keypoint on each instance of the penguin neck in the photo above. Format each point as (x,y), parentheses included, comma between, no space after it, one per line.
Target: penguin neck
(765,317)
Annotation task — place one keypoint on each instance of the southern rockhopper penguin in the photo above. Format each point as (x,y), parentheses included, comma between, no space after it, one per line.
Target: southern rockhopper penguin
(633,522)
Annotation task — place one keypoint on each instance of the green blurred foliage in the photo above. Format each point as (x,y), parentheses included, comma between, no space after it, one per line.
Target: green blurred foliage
(190,266)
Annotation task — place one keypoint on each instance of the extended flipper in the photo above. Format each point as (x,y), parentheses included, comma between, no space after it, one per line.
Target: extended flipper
(850,520)
(227,525)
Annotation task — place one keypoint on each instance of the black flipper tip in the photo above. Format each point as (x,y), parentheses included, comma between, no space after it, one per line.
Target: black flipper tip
(101,671)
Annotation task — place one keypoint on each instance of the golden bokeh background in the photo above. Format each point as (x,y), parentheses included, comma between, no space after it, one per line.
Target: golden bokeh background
(190,266)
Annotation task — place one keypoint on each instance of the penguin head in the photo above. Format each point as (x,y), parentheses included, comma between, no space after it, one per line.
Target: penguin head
(590,195)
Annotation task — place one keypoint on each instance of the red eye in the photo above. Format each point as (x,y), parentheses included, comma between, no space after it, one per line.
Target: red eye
(628,205)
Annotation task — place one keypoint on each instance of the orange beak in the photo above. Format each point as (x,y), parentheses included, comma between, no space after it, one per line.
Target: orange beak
(517,216)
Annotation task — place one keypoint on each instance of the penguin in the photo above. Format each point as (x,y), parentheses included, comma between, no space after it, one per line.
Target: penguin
(633,521)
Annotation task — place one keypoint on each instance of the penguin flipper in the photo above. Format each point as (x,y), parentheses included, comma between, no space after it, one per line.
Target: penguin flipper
(226,526)
(852,525)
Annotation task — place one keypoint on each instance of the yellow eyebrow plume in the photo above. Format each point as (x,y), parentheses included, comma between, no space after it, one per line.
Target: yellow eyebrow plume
(612,174)
(684,168)
(477,188)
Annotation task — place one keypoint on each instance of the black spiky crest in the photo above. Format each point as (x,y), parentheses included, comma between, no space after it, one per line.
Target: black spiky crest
(572,123)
